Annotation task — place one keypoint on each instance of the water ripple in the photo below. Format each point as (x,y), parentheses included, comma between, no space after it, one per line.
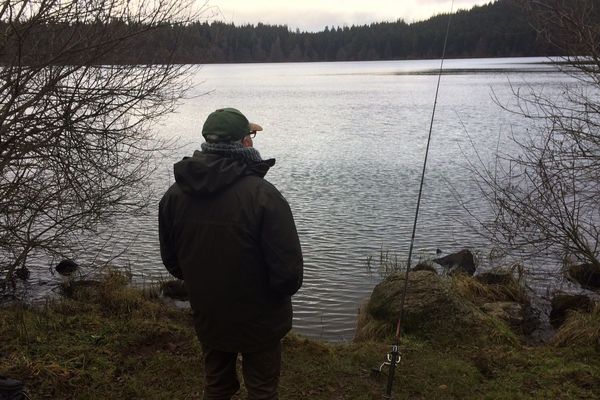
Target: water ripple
(349,145)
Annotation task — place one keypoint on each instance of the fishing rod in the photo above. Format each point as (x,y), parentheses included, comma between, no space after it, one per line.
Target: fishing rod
(394,357)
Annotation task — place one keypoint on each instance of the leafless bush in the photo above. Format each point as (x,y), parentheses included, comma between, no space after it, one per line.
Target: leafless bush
(76,117)
(545,197)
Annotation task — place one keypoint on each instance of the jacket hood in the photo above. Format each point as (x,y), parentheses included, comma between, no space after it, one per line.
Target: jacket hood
(206,173)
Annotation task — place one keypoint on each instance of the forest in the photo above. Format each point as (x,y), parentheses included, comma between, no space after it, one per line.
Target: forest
(497,29)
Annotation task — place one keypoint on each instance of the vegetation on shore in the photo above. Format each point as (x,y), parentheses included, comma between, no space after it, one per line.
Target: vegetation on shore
(112,341)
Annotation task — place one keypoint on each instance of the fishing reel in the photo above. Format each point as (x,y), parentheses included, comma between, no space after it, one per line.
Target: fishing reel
(393,358)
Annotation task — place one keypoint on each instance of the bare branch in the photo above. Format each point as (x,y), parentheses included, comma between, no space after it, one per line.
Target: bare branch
(76,137)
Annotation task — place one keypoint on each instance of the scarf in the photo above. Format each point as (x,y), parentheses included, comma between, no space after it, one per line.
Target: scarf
(234,150)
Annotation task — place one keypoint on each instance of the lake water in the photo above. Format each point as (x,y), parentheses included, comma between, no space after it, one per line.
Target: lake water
(349,139)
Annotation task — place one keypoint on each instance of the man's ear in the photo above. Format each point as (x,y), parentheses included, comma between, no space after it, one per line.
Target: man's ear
(247,141)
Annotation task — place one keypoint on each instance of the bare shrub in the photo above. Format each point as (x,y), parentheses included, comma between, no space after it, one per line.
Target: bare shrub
(545,196)
(76,117)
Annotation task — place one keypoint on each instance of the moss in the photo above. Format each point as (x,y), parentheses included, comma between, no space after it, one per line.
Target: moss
(432,310)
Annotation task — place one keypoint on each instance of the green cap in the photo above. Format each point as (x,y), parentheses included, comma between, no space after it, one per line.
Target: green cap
(225,125)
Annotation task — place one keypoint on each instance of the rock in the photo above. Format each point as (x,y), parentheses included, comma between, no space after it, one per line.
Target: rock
(499,284)
(175,289)
(431,310)
(496,277)
(11,388)
(564,303)
(531,320)
(66,267)
(461,262)
(520,317)
(22,273)
(509,311)
(587,275)
(424,266)
(70,287)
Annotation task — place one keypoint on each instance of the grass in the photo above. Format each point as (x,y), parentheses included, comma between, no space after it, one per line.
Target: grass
(386,264)
(580,328)
(111,341)
(480,293)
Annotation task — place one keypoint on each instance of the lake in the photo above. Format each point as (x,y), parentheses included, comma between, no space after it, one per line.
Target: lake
(349,139)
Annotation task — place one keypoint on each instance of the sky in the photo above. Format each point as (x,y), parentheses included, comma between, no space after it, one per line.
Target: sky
(314,15)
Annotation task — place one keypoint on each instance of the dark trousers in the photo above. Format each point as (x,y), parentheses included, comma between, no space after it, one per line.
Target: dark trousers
(260,370)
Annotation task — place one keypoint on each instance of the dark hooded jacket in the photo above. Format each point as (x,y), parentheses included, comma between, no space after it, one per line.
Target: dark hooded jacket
(231,236)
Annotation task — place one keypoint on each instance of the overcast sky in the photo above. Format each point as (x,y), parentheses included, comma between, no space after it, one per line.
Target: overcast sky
(314,15)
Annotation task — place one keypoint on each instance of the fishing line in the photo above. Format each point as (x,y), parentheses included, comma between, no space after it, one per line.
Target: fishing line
(394,355)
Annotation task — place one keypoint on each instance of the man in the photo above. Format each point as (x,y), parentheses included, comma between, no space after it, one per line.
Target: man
(230,235)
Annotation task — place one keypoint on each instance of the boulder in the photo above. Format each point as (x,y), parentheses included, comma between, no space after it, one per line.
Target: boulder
(431,310)
(531,320)
(504,284)
(175,289)
(66,267)
(564,303)
(520,317)
(587,275)
(461,262)
(22,273)
(70,287)
(509,311)
(424,266)
(496,277)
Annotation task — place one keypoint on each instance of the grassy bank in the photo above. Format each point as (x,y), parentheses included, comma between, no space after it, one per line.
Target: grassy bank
(115,342)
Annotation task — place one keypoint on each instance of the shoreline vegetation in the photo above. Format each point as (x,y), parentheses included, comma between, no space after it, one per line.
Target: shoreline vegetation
(111,340)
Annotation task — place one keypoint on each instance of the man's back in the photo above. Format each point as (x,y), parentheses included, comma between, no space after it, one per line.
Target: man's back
(231,236)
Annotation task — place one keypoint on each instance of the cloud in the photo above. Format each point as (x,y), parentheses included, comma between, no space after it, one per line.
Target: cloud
(304,19)
(314,15)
